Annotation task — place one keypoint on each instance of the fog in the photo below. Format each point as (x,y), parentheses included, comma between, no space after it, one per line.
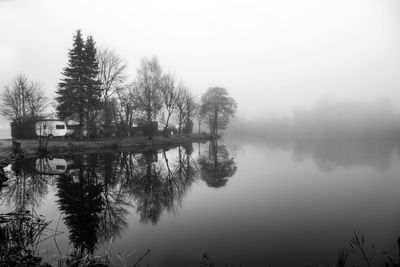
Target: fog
(272,56)
(329,117)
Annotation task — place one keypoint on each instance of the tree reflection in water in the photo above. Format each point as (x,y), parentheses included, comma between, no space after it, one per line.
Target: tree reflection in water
(216,166)
(115,199)
(96,191)
(157,185)
(96,194)
(79,198)
(149,191)
(24,188)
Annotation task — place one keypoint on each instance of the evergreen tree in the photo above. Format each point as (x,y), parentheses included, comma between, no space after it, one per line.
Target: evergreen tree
(79,91)
(93,90)
(71,88)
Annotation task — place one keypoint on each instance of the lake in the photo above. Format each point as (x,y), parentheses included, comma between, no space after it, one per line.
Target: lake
(268,202)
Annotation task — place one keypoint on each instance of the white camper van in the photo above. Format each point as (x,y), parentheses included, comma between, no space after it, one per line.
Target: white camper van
(51,166)
(51,128)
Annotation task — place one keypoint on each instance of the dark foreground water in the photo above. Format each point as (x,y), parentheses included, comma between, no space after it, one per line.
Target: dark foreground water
(266,203)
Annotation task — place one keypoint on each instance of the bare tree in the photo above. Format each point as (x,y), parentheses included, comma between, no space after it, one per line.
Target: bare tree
(191,110)
(186,110)
(180,110)
(112,77)
(149,98)
(128,108)
(171,95)
(23,99)
(112,72)
(199,117)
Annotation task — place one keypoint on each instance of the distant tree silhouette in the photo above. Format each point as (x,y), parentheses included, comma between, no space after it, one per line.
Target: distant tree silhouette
(217,106)
(149,89)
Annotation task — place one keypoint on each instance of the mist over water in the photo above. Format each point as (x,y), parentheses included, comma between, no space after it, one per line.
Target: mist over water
(329,117)
(282,201)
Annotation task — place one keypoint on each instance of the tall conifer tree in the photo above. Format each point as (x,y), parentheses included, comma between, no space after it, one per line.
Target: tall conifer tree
(92,83)
(71,87)
(79,90)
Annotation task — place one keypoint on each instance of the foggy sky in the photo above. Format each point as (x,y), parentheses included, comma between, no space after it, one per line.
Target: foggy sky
(270,55)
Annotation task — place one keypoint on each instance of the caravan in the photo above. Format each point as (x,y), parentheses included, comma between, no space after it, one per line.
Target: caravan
(51,166)
(51,128)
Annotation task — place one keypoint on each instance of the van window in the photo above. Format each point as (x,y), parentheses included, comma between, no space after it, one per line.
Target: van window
(59,127)
(60,167)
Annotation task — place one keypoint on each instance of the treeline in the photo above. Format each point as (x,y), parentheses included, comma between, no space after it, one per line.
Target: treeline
(329,117)
(96,91)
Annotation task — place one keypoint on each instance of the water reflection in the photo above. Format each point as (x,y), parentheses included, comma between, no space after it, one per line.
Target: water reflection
(152,189)
(115,199)
(216,166)
(24,188)
(79,199)
(265,211)
(331,154)
(346,152)
(96,192)
(160,185)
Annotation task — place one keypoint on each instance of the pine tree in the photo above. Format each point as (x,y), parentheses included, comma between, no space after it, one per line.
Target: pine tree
(79,91)
(92,83)
(71,89)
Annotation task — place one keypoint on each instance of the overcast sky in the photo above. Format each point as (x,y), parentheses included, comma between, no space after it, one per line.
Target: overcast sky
(270,55)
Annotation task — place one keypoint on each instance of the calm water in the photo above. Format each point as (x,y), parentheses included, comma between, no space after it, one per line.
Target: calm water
(265,203)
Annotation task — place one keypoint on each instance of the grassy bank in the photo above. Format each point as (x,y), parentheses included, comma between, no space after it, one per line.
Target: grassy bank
(59,146)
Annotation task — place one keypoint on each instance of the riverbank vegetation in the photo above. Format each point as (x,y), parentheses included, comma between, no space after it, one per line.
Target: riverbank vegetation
(97,94)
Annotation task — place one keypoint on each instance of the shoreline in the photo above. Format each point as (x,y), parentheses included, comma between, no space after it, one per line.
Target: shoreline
(30,147)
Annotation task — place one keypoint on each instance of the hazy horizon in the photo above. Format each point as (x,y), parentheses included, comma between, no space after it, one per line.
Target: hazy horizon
(271,56)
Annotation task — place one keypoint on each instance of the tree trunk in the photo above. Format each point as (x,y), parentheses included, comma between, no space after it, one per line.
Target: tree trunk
(199,126)
(88,130)
(80,136)
(166,125)
(106,119)
(215,121)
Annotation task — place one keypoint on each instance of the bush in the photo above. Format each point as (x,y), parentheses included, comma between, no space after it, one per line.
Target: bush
(24,129)
(188,127)
(149,129)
